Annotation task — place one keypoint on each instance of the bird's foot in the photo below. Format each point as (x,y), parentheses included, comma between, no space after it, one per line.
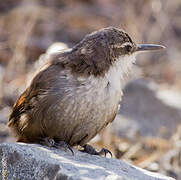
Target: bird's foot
(57,144)
(90,150)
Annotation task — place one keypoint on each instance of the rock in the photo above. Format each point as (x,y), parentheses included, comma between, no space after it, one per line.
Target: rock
(4,133)
(149,110)
(56,47)
(31,161)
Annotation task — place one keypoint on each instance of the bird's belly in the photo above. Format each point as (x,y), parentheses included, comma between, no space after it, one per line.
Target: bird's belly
(83,117)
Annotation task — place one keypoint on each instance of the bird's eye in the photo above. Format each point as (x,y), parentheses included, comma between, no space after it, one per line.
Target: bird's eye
(128,48)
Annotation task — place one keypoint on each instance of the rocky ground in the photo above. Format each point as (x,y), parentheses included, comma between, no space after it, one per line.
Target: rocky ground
(30,161)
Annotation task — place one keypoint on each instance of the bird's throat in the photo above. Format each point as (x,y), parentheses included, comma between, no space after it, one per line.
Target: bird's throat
(119,69)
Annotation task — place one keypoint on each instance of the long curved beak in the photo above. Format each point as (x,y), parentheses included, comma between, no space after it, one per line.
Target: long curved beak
(149,47)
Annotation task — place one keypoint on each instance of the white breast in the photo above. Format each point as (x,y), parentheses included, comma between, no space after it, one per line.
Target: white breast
(108,88)
(118,70)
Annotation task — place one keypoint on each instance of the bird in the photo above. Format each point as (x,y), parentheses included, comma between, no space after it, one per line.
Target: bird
(77,92)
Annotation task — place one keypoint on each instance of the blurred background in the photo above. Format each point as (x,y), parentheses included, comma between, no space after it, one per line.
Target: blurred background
(147,130)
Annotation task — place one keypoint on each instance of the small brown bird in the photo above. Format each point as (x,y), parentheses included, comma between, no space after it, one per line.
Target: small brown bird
(77,93)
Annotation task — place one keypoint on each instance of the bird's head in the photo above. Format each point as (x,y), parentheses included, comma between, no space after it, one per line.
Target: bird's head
(107,48)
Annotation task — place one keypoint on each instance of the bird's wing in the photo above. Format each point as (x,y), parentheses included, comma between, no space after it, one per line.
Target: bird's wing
(18,109)
(42,83)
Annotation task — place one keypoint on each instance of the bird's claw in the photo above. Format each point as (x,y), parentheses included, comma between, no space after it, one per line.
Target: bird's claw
(63,144)
(52,143)
(90,150)
(105,152)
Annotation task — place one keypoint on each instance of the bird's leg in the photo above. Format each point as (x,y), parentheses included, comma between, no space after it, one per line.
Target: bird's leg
(90,150)
(57,144)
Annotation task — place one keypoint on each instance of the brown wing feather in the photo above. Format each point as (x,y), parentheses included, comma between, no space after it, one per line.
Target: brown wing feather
(18,108)
(40,85)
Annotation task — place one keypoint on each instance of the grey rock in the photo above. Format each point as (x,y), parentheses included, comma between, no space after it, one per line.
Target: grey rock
(4,133)
(148,109)
(30,161)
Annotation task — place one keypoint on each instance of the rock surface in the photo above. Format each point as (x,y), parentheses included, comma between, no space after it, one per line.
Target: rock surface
(30,161)
(149,110)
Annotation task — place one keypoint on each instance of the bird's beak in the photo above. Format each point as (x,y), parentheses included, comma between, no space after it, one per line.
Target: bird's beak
(148,47)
